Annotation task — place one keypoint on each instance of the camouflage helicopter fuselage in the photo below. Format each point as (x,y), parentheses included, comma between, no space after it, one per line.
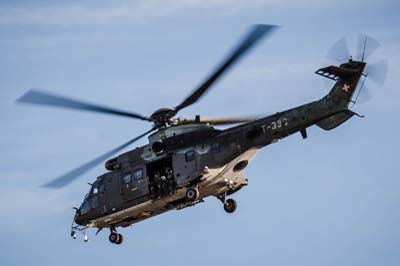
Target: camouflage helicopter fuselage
(201,157)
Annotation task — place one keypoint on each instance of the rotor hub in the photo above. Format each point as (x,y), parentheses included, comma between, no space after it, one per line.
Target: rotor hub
(163,116)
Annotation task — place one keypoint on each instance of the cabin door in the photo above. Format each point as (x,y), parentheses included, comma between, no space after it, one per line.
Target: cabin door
(185,166)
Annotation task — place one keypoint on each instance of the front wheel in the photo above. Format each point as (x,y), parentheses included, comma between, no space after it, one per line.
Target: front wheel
(114,238)
(120,239)
(230,205)
(192,194)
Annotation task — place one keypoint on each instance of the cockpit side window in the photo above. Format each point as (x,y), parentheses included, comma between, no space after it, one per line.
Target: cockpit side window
(95,202)
(94,190)
(127,178)
(138,174)
(189,156)
(215,147)
(91,200)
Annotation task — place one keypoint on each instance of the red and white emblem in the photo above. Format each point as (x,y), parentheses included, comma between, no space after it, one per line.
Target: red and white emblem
(345,88)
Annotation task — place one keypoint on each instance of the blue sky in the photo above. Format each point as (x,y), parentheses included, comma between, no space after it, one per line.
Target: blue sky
(332,199)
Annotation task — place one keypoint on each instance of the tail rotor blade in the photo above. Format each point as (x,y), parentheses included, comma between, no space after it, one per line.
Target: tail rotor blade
(377,72)
(363,95)
(366,47)
(339,51)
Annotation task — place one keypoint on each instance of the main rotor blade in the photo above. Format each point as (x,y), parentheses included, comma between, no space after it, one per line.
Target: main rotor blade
(219,121)
(257,32)
(43,98)
(75,173)
(339,51)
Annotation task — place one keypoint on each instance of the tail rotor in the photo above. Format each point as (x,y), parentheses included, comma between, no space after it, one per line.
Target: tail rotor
(339,52)
(375,71)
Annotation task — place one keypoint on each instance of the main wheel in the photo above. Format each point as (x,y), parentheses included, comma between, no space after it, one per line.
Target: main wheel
(230,205)
(120,239)
(114,238)
(192,194)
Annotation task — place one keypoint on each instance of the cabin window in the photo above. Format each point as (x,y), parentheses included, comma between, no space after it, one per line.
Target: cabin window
(189,156)
(215,148)
(138,174)
(127,178)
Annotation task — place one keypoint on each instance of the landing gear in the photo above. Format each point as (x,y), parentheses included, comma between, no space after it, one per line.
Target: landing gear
(115,238)
(192,194)
(120,239)
(230,205)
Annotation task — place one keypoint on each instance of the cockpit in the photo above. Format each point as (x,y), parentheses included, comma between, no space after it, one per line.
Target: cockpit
(91,200)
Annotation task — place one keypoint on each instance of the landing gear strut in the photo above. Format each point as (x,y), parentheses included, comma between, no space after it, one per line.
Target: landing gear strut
(114,237)
(230,205)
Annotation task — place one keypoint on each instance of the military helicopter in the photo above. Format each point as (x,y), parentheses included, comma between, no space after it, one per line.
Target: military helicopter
(188,160)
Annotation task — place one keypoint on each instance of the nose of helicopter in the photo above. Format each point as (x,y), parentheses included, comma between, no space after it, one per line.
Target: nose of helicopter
(78,219)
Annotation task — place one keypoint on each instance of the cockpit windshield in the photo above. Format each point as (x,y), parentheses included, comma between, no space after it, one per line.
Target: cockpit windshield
(91,200)
(85,207)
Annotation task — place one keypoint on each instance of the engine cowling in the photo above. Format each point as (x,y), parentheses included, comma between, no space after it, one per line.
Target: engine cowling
(112,164)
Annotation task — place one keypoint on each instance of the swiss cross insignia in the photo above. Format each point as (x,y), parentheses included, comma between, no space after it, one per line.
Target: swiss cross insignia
(345,88)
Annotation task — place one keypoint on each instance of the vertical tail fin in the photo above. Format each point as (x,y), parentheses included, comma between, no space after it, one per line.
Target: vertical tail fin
(347,77)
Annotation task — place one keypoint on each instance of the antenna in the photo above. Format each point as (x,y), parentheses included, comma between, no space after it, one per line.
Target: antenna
(365,44)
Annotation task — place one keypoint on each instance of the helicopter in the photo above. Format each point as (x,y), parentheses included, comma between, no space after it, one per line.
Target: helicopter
(188,160)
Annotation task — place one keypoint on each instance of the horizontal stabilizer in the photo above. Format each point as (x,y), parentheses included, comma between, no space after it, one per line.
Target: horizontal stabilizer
(334,72)
(335,120)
